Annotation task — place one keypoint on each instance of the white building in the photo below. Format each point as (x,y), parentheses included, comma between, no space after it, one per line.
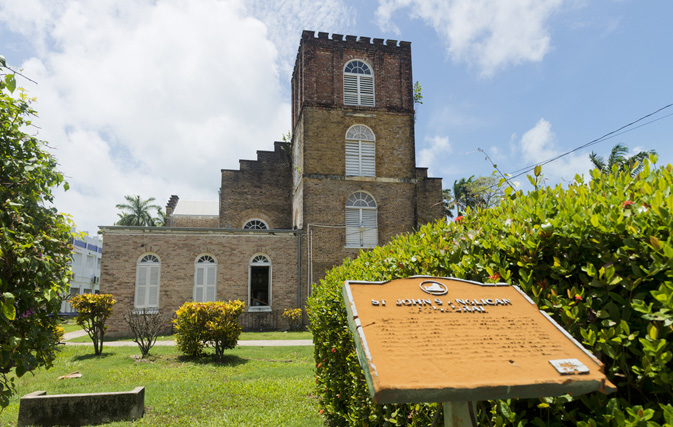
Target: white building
(85,264)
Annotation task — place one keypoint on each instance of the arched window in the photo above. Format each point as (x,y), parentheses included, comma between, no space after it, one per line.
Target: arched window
(361,223)
(358,84)
(259,290)
(205,279)
(360,151)
(148,271)
(255,224)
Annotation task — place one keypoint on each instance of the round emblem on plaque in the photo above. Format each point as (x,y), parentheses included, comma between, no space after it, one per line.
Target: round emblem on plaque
(434,288)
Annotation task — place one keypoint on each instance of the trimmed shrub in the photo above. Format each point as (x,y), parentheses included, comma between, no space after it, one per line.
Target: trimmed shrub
(92,312)
(203,324)
(293,317)
(596,256)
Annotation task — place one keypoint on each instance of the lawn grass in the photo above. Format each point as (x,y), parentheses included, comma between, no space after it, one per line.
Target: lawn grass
(254,386)
(69,325)
(245,336)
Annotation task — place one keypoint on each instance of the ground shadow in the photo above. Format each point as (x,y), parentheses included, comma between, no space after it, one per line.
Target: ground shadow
(92,356)
(227,360)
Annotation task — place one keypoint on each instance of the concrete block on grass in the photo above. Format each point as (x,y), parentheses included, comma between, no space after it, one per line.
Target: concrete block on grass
(38,409)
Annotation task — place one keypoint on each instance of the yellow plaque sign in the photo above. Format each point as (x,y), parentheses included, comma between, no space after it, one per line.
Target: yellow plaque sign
(428,339)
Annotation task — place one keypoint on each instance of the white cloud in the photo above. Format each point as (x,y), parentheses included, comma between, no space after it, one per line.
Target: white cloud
(490,34)
(154,97)
(538,144)
(285,20)
(435,149)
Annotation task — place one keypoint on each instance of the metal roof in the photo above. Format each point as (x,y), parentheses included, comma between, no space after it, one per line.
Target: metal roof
(196,208)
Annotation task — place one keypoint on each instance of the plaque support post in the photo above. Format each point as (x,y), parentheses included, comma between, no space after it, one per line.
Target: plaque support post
(457,414)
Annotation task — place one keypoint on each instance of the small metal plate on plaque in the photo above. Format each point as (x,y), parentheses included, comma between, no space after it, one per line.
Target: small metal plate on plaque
(569,366)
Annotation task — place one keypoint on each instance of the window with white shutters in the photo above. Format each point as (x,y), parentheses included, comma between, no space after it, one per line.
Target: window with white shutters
(360,151)
(358,84)
(361,222)
(205,279)
(147,282)
(259,289)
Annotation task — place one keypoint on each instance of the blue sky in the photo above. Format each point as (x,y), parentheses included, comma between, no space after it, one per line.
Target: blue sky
(155,97)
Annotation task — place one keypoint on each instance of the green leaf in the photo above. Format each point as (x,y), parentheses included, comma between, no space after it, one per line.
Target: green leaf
(10,81)
(8,309)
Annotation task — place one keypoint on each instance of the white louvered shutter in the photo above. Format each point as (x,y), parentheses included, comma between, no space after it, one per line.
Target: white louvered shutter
(141,285)
(351,90)
(367,158)
(153,287)
(366,90)
(352,158)
(199,284)
(210,282)
(369,234)
(352,227)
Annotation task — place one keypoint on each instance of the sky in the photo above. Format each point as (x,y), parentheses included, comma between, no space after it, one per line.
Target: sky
(155,97)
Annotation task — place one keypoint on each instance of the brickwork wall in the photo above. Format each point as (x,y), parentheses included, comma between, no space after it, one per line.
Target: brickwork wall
(178,252)
(193,222)
(318,74)
(429,202)
(261,189)
(323,140)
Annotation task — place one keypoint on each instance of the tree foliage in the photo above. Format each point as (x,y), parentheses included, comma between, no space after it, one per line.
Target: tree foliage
(596,256)
(481,193)
(137,212)
(93,311)
(34,241)
(620,161)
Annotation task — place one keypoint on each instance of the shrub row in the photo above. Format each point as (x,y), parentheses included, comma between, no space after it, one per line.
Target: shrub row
(597,256)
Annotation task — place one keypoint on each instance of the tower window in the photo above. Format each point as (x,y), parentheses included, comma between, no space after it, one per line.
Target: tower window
(360,151)
(361,222)
(358,84)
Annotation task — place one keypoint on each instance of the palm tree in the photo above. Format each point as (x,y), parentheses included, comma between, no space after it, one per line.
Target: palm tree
(137,212)
(619,158)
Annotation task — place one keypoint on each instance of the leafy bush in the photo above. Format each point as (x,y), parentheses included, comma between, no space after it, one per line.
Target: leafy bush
(597,256)
(200,324)
(293,317)
(93,311)
(146,324)
(34,241)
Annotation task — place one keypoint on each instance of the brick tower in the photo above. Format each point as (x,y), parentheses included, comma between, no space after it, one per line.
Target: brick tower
(355,180)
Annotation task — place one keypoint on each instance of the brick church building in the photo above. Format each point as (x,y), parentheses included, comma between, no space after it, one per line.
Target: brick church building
(346,182)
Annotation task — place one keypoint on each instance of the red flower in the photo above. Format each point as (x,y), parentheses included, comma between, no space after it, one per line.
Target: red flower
(321,411)
(627,203)
(319,365)
(458,218)
(495,276)
(333,350)
(578,297)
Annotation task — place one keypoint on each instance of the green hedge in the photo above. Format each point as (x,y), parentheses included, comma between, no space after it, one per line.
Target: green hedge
(597,256)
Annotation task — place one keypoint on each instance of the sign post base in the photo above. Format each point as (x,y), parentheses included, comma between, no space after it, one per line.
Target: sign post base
(457,414)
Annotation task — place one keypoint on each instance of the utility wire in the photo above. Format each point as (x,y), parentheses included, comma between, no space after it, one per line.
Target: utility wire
(607,136)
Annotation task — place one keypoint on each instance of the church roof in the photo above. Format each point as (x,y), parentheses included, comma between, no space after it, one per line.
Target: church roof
(196,208)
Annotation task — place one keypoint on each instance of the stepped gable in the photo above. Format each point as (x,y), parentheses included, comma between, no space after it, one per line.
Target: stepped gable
(260,189)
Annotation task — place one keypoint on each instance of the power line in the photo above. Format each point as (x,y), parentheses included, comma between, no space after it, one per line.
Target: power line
(607,136)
